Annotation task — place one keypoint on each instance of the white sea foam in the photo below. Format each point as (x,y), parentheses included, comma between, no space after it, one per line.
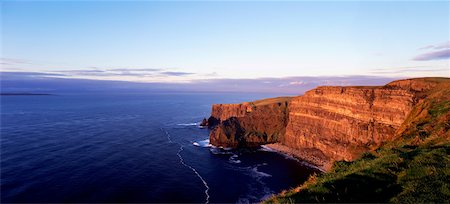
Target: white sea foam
(188,124)
(268,194)
(265,148)
(168,135)
(215,150)
(202,143)
(233,159)
(259,191)
(259,173)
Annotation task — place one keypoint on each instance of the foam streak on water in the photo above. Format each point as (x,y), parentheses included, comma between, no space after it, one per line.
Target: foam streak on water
(168,135)
(195,171)
(189,166)
(188,124)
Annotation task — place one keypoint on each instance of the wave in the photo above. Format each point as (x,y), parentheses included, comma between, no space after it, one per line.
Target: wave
(265,148)
(233,159)
(202,143)
(188,124)
(218,150)
(260,173)
(259,191)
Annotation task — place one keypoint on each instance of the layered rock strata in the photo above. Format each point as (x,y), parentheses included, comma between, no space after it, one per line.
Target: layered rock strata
(248,124)
(326,124)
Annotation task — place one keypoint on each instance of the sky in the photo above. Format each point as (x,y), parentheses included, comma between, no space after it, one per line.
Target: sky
(184,42)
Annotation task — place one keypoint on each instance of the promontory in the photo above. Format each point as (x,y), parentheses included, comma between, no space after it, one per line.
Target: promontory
(331,126)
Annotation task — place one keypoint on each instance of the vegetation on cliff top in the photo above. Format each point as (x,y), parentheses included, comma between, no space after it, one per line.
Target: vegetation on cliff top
(415,168)
(268,101)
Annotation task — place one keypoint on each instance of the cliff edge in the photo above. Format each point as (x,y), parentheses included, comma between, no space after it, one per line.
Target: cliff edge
(326,124)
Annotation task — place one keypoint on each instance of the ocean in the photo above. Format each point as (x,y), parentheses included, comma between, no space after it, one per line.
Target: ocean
(131,148)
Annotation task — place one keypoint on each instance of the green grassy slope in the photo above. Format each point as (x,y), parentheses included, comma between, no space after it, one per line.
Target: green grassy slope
(415,168)
(267,101)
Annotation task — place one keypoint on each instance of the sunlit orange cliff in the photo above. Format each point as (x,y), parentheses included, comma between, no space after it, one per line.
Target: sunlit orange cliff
(326,124)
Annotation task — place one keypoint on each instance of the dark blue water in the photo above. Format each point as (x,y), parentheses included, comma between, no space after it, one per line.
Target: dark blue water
(129,148)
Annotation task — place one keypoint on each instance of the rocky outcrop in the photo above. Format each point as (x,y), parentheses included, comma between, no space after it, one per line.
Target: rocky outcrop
(326,124)
(248,124)
(204,123)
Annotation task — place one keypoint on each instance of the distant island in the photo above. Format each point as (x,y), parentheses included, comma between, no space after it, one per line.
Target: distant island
(386,143)
(26,94)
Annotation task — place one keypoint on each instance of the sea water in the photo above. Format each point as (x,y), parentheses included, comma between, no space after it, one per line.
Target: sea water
(130,148)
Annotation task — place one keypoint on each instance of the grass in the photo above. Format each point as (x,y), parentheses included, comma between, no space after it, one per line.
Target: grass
(415,168)
(271,101)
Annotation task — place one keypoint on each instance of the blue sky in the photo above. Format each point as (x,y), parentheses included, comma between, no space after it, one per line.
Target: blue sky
(157,41)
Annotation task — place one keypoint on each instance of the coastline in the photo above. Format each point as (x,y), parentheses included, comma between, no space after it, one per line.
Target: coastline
(305,156)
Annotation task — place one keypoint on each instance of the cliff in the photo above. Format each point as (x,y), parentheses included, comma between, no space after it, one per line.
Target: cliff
(342,122)
(248,124)
(412,168)
(326,124)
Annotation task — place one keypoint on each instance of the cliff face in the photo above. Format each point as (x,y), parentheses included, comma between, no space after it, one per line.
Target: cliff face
(248,124)
(326,124)
(413,168)
(342,122)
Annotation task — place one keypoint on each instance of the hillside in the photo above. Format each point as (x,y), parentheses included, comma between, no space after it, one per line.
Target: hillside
(413,168)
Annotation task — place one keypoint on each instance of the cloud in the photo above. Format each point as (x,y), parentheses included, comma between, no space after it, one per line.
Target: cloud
(13,64)
(434,55)
(151,74)
(13,61)
(98,72)
(4,75)
(136,70)
(445,45)
(426,47)
(286,85)
(32,81)
(402,70)
(176,73)
(439,51)
(84,72)
(297,83)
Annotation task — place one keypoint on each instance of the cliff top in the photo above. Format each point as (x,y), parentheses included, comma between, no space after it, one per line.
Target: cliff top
(424,79)
(419,84)
(270,101)
(416,84)
(262,102)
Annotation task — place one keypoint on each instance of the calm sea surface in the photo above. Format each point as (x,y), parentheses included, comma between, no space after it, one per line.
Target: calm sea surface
(129,148)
